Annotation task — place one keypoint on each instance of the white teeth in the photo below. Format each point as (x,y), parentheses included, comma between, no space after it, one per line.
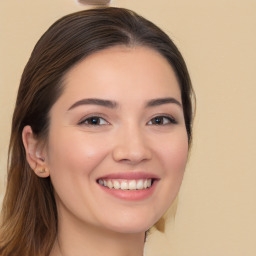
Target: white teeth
(109,184)
(132,184)
(126,184)
(116,184)
(145,185)
(139,184)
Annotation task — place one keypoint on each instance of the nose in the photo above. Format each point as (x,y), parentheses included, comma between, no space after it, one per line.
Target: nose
(131,146)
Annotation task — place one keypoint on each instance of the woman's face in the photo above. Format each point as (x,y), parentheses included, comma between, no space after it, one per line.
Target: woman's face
(117,145)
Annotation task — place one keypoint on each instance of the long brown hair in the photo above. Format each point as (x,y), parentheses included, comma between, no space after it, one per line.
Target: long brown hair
(29,216)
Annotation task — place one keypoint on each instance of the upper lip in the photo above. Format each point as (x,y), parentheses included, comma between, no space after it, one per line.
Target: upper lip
(129,176)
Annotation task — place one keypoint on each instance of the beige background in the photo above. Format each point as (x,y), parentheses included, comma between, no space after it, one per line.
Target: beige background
(217,206)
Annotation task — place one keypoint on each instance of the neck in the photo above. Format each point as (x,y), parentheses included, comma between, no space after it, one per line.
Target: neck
(88,240)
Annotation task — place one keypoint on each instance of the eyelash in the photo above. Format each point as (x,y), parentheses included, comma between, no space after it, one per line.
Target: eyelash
(97,118)
(170,120)
(96,121)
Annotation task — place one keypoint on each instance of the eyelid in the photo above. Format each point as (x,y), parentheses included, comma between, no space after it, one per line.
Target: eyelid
(171,119)
(86,118)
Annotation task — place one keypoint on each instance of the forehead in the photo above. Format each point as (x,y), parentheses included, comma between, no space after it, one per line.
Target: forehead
(122,72)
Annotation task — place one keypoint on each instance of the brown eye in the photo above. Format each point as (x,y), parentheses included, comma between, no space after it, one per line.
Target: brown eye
(94,120)
(162,120)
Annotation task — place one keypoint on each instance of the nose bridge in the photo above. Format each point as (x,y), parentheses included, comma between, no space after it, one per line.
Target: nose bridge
(131,144)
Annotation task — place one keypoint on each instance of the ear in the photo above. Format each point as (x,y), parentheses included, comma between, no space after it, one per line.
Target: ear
(35,153)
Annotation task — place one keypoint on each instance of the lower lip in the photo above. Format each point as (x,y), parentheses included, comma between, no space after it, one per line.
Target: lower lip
(131,195)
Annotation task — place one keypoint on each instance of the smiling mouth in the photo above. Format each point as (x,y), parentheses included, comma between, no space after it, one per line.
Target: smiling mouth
(120,184)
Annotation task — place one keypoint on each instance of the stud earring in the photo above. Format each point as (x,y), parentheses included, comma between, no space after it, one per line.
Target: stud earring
(41,171)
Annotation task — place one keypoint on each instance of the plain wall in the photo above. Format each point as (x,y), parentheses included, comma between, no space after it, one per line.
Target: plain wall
(217,203)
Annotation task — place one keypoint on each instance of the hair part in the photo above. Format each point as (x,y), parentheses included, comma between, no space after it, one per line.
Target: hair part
(29,216)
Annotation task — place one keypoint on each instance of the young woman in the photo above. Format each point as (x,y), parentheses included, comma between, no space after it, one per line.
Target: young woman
(100,138)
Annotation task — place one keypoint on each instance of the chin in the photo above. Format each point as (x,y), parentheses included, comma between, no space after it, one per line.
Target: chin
(133,225)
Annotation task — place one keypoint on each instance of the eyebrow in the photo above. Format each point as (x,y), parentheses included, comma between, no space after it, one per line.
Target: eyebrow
(94,101)
(113,104)
(161,101)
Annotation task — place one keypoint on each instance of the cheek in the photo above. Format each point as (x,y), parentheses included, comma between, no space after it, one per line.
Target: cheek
(174,153)
(73,159)
(74,154)
(173,157)
(178,154)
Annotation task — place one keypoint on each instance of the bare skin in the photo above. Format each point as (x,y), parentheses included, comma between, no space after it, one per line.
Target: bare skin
(118,122)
